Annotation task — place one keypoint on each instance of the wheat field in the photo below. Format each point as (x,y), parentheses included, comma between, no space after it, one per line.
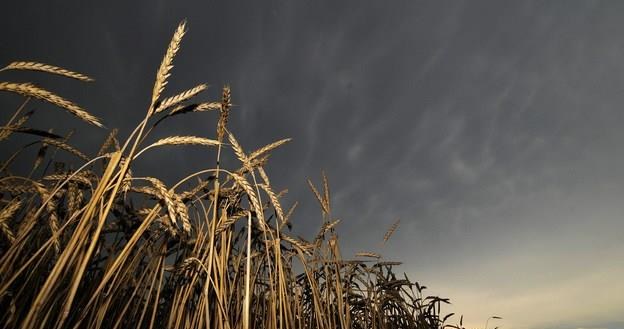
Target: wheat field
(101,246)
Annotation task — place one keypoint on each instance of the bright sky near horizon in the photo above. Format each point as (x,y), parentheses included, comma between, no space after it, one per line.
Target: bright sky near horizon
(491,129)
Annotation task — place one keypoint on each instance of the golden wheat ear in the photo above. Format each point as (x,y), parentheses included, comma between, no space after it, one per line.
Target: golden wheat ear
(167,64)
(30,90)
(170,102)
(391,231)
(41,67)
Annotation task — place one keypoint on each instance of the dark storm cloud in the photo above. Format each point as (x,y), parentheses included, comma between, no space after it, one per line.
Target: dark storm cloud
(491,129)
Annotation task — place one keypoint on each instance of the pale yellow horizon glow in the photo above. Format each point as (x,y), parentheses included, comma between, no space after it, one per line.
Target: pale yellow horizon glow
(583,302)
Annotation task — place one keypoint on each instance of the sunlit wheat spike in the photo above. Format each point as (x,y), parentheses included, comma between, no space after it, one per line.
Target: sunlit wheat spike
(226,98)
(28,89)
(188,195)
(35,66)
(318,197)
(150,191)
(251,194)
(332,224)
(182,212)
(274,201)
(126,182)
(75,197)
(53,220)
(179,98)
(264,176)
(286,221)
(326,191)
(367,254)
(228,221)
(282,193)
(256,163)
(297,243)
(6,131)
(6,214)
(143,212)
(65,147)
(80,177)
(185,140)
(391,231)
(15,187)
(224,111)
(238,150)
(6,230)
(268,148)
(110,141)
(201,107)
(167,63)
(167,197)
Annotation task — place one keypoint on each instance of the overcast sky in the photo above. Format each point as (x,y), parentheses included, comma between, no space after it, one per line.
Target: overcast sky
(492,130)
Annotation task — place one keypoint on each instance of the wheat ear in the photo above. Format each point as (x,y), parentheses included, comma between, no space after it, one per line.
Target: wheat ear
(29,89)
(35,66)
(5,215)
(179,98)
(167,64)
(391,231)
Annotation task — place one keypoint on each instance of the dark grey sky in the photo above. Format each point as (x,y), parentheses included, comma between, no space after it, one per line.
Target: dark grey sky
(493,130)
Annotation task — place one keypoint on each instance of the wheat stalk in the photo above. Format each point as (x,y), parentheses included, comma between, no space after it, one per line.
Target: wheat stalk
(34,66)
